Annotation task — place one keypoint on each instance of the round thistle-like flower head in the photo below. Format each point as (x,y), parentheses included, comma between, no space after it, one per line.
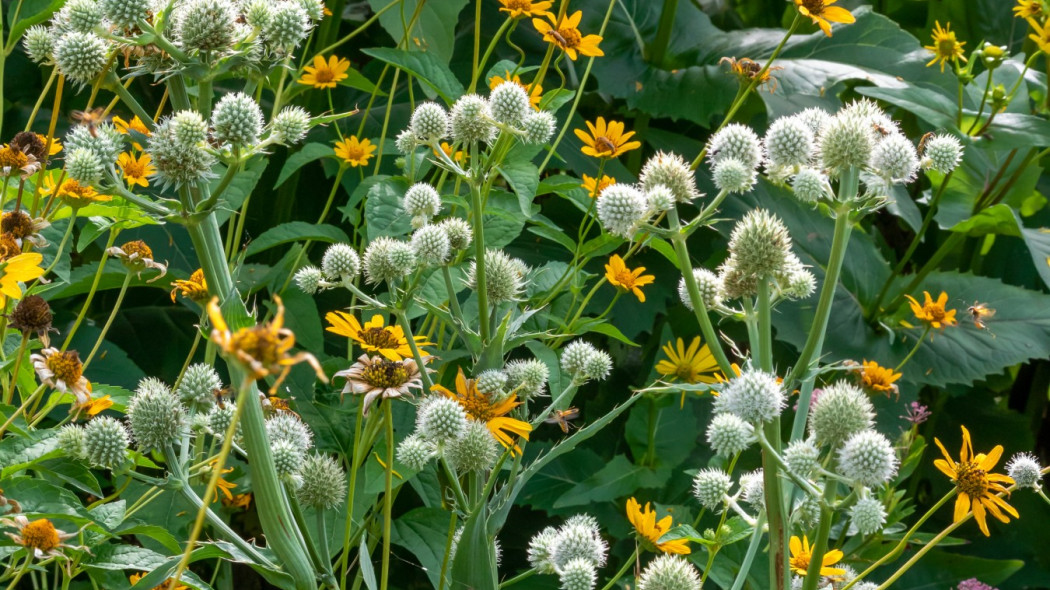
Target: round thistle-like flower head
(80,56)
(815,118)
(895,158)
(431,245)
(710,286)
(578,541)
(258,13)
(660,198)
(387,259)
(324,482)
(847,140)
(155,416)
(539,553)
(71,440)
(842,410)
(788,143)
(504,278)
(795,281)
(176,147)
(287,460)
(942,153)
(218,423)
(735,142)
(471,120)
(429,122)
(810,185)
(421,200)
(868,458)
(476,450)
(807,510)
(237,119)
(459,232)
(125,13)
(415,452)
(760,244)
(290,125)
(729,435)
(732,176)
(492,382)
(755,396)
(199,384)
(314,9)
(104,141)
(105,442)
(309,279)
(188,128)
(83,166)
(669,572)
(289,25)
(801,457)
(80,15)
(752,488)
(583,362)
(288,427)
(205,25)
(528,378)
(735,282)
(509,103)
(710,487)
(670,170)
(39,43)
(868,515)
(440,419)
(539,127)
(621,207)
(1025,470)
(340,263)
(578,574)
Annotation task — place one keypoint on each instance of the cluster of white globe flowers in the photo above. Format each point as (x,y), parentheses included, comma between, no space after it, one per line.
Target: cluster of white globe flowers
(574,552)
(623,209)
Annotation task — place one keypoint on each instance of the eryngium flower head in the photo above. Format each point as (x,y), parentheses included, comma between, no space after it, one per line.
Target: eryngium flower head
(314,9)
(125,13)
(415,452)
(788,143)
(732,176)
(669,572)
(841,411)
(539,553)
(324,482)
(528,378)
(942,153)
(155,416)
(760,244)
(429,122)
(895,159)
(80,56)
(476,450)
(71,441)
(815,118)
(708,283)
(178,159)
(539,127)
(290,125)
(80,15)
(440,419)
(83,166)
(406,142)
(807,510)
(577,574)
(578,541)
(340,263)
(801,457)
(847,140)
(387,259)
(471,120)
(509,103)
(670,170)
(237,119)
(102,140)
(752,488)
(504,276)
(754,396)
(219,419)
(421,200)
(287,426)
(710,487)
(621,207)
(737,142)
(660,198)
(205,25)
(459,232)
(309,279)
(867,458)
(288,460)
(795,281)
(105,442)
(868,515)
(1025,470)
(729,435)
(199,385)
(810,185)
(39,43)
(289,25)
(583,362)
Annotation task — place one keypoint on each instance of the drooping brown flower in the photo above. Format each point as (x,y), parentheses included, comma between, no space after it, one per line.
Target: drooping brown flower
(32,315)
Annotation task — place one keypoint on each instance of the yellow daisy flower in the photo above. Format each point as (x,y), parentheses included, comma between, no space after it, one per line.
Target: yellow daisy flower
(879,379)
(594,187)
(933,312)
(195,288)
(695,364)
(325,74)
(374,336)
(650,530)
(135,125)
(976,485)
(802,553)
(621,277)
(534,95)
(1028,9)
(56,144)
(19,269)
(606,140)
(945,46)
(136,170)
(493,413)
(822,11)
(1041,35)
(567,36)
(73,193)
(520,8)
(354,152)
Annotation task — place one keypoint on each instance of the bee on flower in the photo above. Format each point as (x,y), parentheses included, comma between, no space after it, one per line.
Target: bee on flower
(566,35)
(748,69)
(379,378)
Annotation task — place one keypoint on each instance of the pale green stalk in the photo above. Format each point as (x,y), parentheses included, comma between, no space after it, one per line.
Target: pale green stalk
(109,320)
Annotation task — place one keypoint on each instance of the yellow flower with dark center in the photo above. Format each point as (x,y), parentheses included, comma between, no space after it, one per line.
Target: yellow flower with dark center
(458,156)
(12,160)
(933,312)
(945,46)
(40,536)
(354,152)
(21,268)
(822,13)
(135,125)
(520,8)
(695,364)
(374,336)
(977,486)
(325,74)
(650,530)
(621,277)
(195,288)
(1028,9)
(802,553)
(565,35)
(380,378)
(879,379)
(606,140)
(493,413)
(136,170)
(534,95)
(262,349)
(165,585)
(594,187)
(73,193)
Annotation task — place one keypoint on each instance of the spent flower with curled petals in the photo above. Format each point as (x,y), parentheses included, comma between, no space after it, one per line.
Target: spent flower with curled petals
(606,140)
(40,536)
(933,313)
(650,530)
(379,378)
(979,490)
(63,371)
(72,193)
(194,288)
(565,34)
(137,257)
(625,279)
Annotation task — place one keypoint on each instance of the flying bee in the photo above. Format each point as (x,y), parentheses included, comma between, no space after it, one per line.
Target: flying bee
(978,313)
(922,142)
(604,145)
(90,118)
(221,395)
(274,404)
(562,418)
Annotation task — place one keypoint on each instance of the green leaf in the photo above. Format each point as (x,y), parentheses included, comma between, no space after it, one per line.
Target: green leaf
(618,478)
(383,212)
(602,327)
(433,32)
(296,231)
(435,75)
(423,532)
(474,567)
(926,101)
(1016,130)
(112,557)
(42,499)
(523,178)
(20,452)
(368,572)
(676,427)
(308,153)
(72,473)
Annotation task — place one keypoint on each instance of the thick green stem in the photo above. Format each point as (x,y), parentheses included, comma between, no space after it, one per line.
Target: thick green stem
(481,285)
(820,544)
(749,557)
(778,573)
(388,499)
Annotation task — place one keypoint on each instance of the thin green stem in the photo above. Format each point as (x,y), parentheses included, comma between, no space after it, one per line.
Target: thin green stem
(478,211)
(914,349)
(518,578)
(820,544)
(480,65)
(623,569)
(109,320)
(345,557)
(94,287)
(361,28)
(749,557)
(388,499)
(406,325)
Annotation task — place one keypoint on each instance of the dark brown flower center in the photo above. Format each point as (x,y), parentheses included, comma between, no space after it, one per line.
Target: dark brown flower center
(32,314)
(40,534)
(137,247)
(379,338)
(8,246)
(386,374)
(971,480)
(17,223)
(570,38)
(29,143)
(66,366)
(814,6)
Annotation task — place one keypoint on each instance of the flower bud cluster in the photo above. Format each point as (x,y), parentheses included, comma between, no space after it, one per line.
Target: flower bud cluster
(574,552)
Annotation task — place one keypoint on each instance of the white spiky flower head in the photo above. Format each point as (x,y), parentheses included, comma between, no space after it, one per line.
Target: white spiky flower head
(387,259)
(237,119)
(868,458)
(440,419)
(178,159)
(732,176)
(1025,470)
(431,245)
(314,9)
(669,572)
(460,234)
(416,452)
(708,283)
(288,427)
(104,141)
(80,56)
(105,442)
(810,185)
(289,25)
(421,200)
(539,127)
(710,487)
(815,118)
(527,377)
(735,142)
(323,482)
(621,208)
(199,384)
(471,120)
(504,276)
(942,153)
(288,461)
(125,13)
(476,450)
(728,435)
(71,440)
(205,25)
(760,244)
(492,382)
(868,515)
(80,15)
(660,198)
(341,263)
(801,457)
(309,279)
(847,140)
(155,416)
(754,396)
(672,171)
(752,488)
(509,102)
(406,142)
(429,122)
(895,159)
(290,125)
(795,281)
(578,574)
(218,422)
(583,362)
(539,553)
(841,411)
(84,166)
(578,541)
(39,43)
(788,143)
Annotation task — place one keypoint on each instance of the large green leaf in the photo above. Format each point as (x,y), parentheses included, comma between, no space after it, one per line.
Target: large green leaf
(434,29)
(474,565)
(19,452)
(437,79)
(423,532)
(618,478)
(296,231)
(383,210)
(42,499)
